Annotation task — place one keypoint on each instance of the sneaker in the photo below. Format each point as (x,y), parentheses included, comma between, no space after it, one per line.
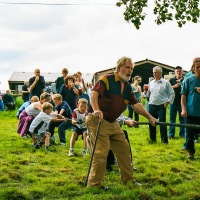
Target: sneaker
(38,146)
(71,153)
(47,148)
(62,144)
(191,156)
(137,184)
(53,140)
(134,168)
(33,144)
(53,137)
(109,168)
(25,136)
(84,152)
(104,188)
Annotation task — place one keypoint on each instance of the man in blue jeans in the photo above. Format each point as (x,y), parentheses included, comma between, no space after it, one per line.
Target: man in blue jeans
(175,107)
(160,94)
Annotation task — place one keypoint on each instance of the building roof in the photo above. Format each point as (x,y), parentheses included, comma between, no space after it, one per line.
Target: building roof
(142,68)
(48,76)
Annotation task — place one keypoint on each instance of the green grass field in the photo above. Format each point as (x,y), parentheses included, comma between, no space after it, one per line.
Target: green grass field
(28,173)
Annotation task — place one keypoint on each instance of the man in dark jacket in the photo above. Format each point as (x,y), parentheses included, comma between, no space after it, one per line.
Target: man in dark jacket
(60,80)
(36,84)
(175,107)
(8,100)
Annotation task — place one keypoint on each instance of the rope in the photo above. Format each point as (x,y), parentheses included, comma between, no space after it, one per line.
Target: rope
(171,124)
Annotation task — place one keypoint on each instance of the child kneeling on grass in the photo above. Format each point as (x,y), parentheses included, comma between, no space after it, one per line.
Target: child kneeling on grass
(80,128)
(39,126)
(26,104)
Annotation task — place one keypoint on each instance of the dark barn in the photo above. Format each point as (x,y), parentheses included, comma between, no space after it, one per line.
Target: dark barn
(143,68)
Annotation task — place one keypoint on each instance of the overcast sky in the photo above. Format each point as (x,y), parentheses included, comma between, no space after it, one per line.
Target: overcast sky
(86,38)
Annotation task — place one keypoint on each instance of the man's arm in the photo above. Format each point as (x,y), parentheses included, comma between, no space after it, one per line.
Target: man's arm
(32,85)
(24,91)
(121,119)
(84,89)
(4,98)
(76,91)
(94,100)
(94,103)
(124,120)
(138,108)
(183,106)
(171,93)
(12,99)
(43,83)
(140,95)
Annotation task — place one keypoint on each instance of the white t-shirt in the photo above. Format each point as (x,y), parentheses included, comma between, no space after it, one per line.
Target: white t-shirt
(40,124)
(80,118)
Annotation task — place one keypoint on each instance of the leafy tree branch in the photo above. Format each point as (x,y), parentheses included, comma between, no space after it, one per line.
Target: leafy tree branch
(165,10)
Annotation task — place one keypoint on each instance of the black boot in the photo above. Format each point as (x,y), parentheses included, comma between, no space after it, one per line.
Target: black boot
(109,168)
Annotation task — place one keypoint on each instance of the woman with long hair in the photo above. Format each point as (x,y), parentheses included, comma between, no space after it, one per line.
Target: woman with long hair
(138,94)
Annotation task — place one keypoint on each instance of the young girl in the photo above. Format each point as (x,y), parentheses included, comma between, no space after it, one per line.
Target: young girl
(80,128)
(27,115)
(26,104)
(39,126)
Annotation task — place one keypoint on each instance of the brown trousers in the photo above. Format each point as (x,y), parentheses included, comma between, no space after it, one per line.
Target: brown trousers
(110,136)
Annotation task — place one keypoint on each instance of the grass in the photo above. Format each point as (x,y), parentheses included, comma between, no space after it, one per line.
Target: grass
(27,173)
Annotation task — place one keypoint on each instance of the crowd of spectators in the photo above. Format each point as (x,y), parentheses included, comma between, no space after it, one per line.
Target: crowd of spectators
(181,94)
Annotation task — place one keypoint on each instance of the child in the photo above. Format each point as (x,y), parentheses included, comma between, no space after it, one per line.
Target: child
(39,126)
(80,128)
(63,121)
(26,104)
(30,112)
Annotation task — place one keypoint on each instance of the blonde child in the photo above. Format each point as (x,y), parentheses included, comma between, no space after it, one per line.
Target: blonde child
(80,128)
(63,121)
(39,126)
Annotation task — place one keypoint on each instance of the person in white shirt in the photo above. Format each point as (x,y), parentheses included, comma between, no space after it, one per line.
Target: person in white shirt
(39,126)
(80,127)
(161,94)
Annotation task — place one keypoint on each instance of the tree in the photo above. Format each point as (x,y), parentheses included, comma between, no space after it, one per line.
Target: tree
(165,10)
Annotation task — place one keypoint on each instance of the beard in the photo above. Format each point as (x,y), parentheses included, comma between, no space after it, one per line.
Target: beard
(124,77)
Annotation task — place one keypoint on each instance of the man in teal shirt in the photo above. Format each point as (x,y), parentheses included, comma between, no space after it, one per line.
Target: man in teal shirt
(190,101)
